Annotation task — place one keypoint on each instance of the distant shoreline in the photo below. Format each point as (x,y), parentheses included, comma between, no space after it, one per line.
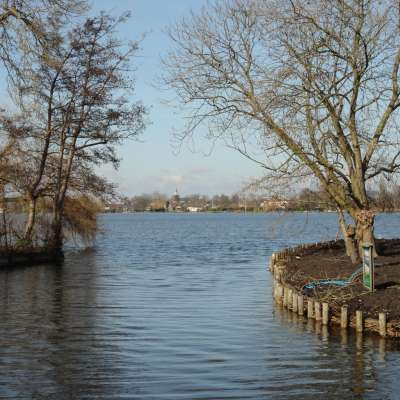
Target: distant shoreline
(236,212)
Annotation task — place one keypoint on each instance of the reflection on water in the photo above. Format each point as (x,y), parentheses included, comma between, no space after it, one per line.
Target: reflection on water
(180,307)
(360,358)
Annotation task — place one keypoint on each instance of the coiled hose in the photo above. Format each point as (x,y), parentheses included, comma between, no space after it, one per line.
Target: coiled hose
(334,282)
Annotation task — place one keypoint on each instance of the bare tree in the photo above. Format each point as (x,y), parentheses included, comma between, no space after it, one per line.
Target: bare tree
(98,111)
(77,106)
(27,28)
(314,86)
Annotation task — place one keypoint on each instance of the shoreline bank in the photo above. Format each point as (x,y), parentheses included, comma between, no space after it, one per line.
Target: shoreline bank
(328,309)
(17,258)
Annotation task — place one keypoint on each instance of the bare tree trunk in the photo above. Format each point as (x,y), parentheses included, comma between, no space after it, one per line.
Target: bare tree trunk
(61,191)
(349,238)
(57,234)
(31,219)
(3,207)
(365,230)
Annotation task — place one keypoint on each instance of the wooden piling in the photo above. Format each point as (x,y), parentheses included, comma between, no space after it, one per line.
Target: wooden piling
(325,314)
(310,308)
(317,311)
(290,299)
(344,336)
(279,293)
(359,340)
(359,321)
(317,327)
(382,324)
(294,302)
(300,304)
(344,318)
(272,263)
(278,274)
(285,296)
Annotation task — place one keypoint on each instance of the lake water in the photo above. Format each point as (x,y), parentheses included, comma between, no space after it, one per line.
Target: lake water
(179,306)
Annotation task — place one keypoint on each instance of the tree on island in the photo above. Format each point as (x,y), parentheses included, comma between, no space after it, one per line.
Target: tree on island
(76,105)
(312,86)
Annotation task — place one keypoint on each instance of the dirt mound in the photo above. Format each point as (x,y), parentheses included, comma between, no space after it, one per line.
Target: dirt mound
(332,263)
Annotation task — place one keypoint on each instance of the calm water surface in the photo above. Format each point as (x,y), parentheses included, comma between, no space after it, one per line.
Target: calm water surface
(179,306)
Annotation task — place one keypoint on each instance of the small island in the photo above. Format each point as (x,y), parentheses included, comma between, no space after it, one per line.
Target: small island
(319,281)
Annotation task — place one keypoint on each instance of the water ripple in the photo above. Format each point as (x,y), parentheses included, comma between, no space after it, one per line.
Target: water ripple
(176,306)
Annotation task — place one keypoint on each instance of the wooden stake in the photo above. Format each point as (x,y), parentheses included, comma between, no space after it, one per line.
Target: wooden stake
(294,302)
(359,340)
(277,274)
(324,332)
(300,304)
(317,327)
(325,313)
(344,318)
(359,321)
(272,263)
(290,299)
(310,309)
(382,324)
(279,293)
(317,308)
(344,336)
(285,296)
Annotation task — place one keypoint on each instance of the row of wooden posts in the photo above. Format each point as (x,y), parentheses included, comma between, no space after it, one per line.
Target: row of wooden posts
(303,248)
(314,309)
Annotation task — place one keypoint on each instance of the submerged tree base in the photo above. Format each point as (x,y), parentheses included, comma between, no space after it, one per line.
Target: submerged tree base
(29,256)
(293,269)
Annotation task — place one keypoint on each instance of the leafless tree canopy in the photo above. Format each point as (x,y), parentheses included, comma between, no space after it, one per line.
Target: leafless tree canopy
(76,103)
(27,27)
(313,85)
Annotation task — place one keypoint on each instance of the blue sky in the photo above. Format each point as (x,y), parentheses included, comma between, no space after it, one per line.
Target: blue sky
(153,165)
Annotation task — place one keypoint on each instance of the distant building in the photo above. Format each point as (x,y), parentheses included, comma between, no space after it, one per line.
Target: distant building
(115,208)
(274,204)
(174,204)
(194,209)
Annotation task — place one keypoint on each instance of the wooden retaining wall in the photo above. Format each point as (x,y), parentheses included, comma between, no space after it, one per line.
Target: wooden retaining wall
(295,301)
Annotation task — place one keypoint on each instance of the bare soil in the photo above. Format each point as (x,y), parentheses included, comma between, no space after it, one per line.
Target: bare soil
(333,263)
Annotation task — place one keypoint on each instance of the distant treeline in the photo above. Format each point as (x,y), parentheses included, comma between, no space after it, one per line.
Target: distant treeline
(385,198)
(161,202)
